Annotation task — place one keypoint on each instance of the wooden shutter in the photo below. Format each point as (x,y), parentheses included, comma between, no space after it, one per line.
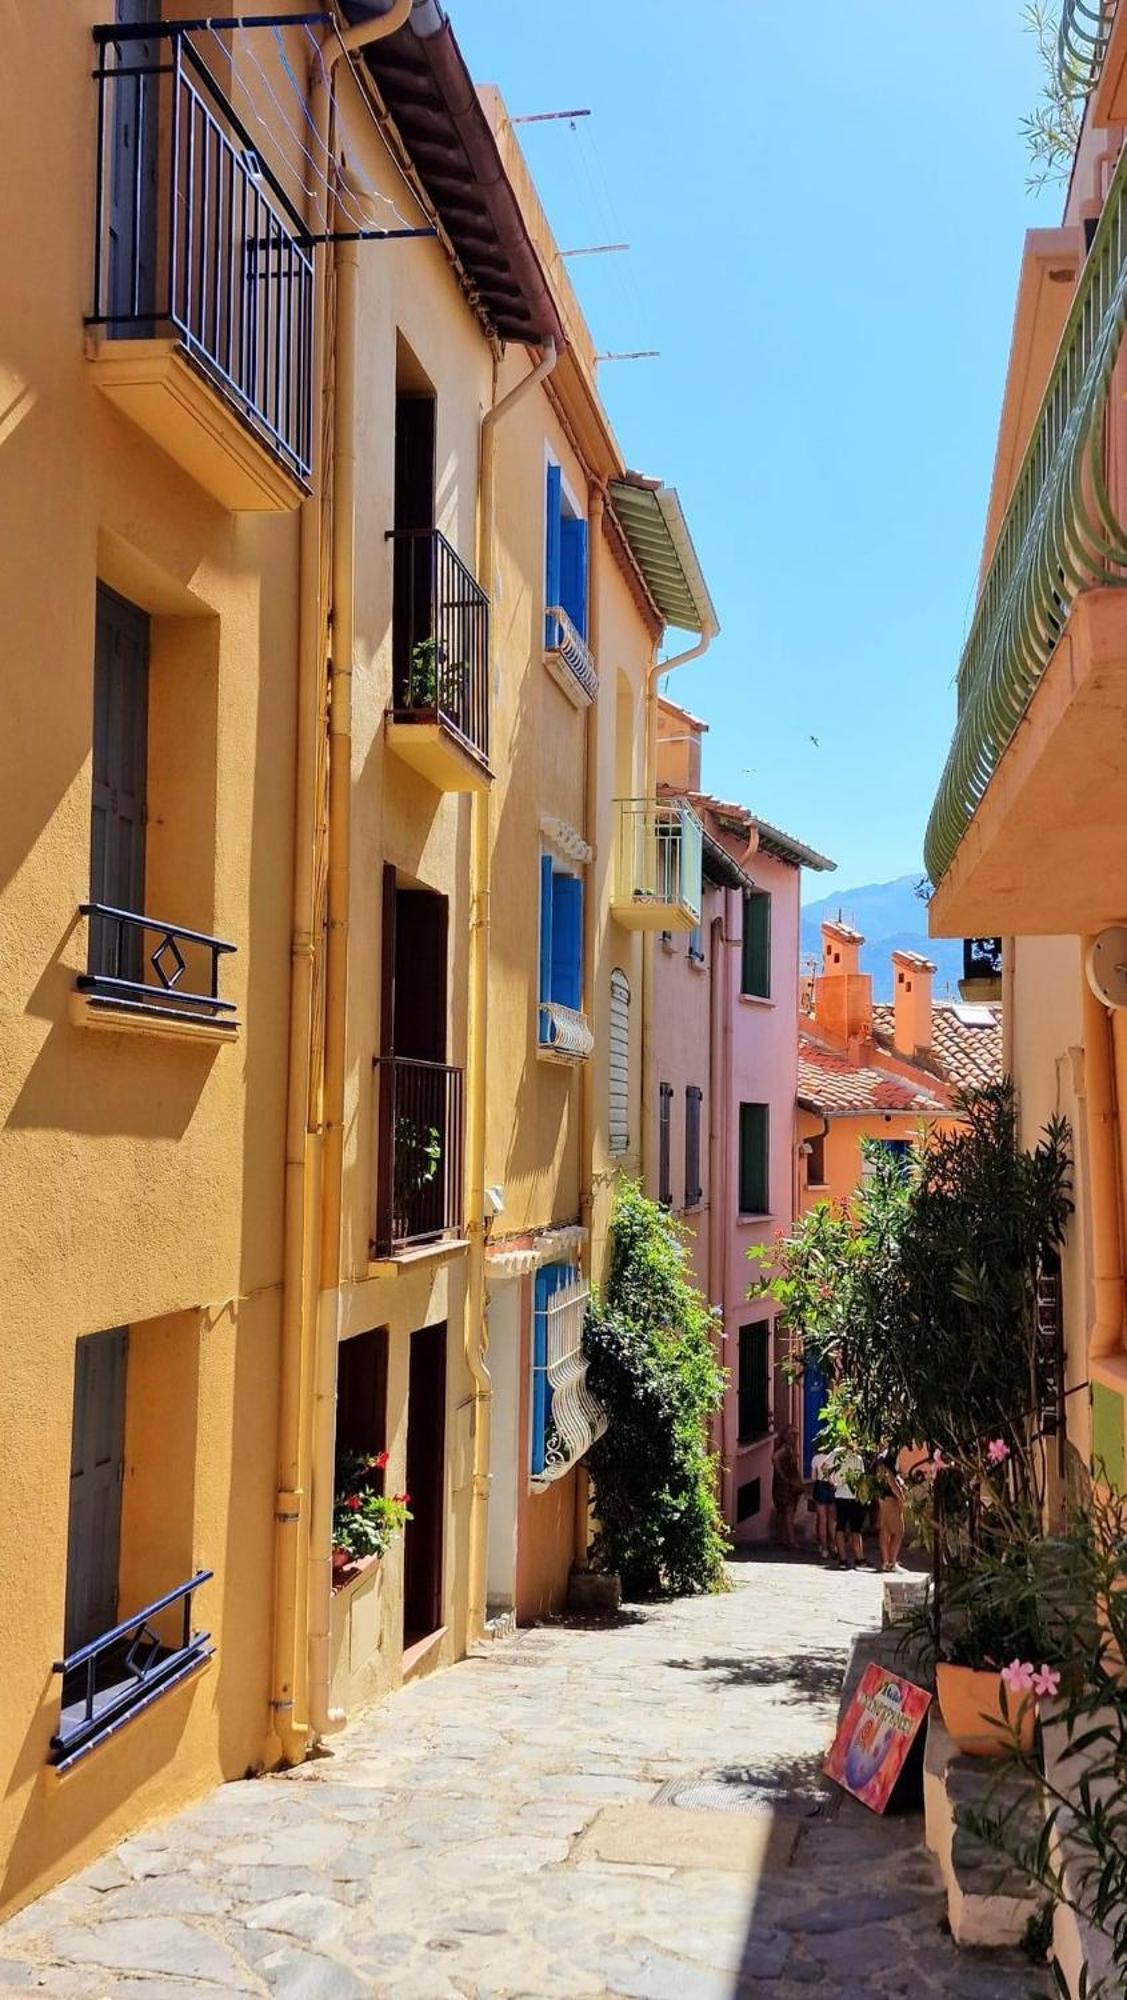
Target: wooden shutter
(692,1146)
(96,1465)
(755,957)
(754,1406)
(567,940)
(117,820)
(546,914)
(664,1171)
(754,1163)
(542,1291)
(552,503)
(573,572)
(619,1135)
(132,247)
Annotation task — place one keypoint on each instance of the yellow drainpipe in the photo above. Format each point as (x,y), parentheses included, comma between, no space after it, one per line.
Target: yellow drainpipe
(654,673)
(596,508)
(476,1051)
(323,1719)
(1104,1191)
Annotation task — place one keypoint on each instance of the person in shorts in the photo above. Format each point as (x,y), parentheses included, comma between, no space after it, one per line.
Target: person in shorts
(822,1474)
(892,1520)
(787,1486)
(849,1512)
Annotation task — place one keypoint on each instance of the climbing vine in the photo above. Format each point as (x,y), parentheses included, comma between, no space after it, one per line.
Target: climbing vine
(651,1362)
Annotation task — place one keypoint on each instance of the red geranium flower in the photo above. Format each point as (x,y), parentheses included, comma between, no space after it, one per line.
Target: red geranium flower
(402,1499)
(353,1503)
(380,1460)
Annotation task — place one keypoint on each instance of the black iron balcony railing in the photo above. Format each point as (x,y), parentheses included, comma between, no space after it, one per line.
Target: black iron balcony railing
(114,1677)
(121,969)
(194,235)
(421,1148)
(440,639)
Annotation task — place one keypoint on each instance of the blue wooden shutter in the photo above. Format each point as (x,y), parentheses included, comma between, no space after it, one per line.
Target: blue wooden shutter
(545,927)
(573,572)
(567,940)
(552,550)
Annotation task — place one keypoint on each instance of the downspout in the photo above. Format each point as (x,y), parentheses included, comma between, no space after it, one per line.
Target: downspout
(596,508)
(1105,1194)
(654,672)
(323,1719)
(476,1308)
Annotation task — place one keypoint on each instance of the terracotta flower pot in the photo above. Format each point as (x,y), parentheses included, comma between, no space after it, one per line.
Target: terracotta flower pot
(341,1560)
(970,1702)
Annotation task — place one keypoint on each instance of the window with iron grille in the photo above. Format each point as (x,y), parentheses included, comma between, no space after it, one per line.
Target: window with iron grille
(619,1106)
(755,955)
(693,1189)
(664,1167)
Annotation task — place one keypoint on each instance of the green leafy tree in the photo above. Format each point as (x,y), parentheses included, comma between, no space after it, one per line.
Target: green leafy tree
(651,1362)
(1052,129)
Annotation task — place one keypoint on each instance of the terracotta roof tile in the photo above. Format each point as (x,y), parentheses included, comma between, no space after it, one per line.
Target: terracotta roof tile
(966,1048)
(828,1082)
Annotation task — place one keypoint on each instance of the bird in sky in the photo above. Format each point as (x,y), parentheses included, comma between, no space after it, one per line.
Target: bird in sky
(815,742)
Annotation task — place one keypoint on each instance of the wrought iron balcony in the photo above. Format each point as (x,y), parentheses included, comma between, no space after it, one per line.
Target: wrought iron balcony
(575,1417)
(113,1678)
(1062,534)
(1083,36)
(440,662)
(195,238)
(564,1031)
(657,871)
(123,973)
(568,656)
(420,1154)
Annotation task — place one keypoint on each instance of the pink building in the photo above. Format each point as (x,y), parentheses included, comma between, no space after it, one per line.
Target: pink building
(721,1079)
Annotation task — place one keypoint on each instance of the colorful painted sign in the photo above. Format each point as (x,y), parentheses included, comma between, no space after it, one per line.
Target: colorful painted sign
(875,1735)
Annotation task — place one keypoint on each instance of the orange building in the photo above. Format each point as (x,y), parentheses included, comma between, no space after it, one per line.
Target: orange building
(877,1071)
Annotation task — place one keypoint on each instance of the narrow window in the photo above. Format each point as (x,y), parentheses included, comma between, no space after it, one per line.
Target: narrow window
(561,941)
(754,1407)
(117,821)
(565,562)
(664,1170)
(693,1188)
(755,960)
(754,1159)
(619,1133)
(816,1161)
(96,1467)
(550,1279)
(696,948)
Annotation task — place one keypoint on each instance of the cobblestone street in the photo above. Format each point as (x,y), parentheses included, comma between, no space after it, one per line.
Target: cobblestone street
(550,1819)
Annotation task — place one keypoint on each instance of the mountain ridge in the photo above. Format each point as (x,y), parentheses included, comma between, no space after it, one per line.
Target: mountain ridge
(891,917)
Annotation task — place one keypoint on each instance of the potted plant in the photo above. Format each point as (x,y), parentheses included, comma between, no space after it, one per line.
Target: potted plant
(422,678)
(365,1519)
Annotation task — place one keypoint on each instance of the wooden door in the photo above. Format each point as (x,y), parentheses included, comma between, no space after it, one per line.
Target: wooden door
(426,1484)
(117,824)
(96,1466)
(133,170)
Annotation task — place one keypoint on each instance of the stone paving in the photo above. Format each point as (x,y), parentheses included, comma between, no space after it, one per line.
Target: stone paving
(505,1829)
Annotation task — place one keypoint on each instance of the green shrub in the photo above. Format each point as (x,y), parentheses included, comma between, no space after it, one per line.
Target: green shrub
(651,1363)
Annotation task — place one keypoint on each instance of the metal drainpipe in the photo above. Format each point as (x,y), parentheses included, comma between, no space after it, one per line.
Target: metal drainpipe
(476,1306)
(596,508)
(1105,1194)
(325,1720)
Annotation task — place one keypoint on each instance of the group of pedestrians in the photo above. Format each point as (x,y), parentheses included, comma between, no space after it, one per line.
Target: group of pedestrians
(840,1513)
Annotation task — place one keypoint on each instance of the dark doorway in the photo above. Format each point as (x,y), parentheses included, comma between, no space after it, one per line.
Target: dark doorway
(96,1465)
(414,972)
(413,596)
(133,177)
(426,1453)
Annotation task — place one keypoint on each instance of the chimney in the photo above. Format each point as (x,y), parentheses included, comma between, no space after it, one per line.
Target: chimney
(911,992)
(678,747)
(843,994)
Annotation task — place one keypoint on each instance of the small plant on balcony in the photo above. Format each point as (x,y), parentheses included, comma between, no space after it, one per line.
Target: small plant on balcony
(365,1519)
(422,680)
(418,1156)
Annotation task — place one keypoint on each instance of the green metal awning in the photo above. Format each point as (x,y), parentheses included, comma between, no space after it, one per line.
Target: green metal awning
(651,519)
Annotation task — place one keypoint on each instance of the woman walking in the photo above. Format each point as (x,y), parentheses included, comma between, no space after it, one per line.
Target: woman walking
(891,1509)
(849,1512)
(787,1486)
(822,1474)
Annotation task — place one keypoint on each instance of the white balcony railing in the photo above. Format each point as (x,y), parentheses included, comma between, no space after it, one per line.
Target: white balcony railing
(564,1031)
(563,643)
(658,864)
(577,1418)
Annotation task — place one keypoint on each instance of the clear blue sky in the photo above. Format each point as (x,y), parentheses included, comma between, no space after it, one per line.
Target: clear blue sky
(826,206)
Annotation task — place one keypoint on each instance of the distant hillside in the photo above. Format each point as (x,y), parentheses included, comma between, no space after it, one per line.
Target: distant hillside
(892,918)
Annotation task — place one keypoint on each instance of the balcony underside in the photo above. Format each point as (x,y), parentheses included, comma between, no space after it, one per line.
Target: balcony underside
(642,913)
(439,755)
(1046,850)
(153,383)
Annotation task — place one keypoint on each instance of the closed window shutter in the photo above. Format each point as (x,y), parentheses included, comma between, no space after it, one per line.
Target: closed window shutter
(755,965)
(567,940)
(546,900)
(692,1146)
(619,1134)
(664,1171)
(754,1175)
(552,546)
(573,572)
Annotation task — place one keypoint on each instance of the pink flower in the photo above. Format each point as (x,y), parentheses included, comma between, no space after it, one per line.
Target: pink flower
(1018,1676)
(938,1463)
(1047,1681)
(379,1461)
(998,1451)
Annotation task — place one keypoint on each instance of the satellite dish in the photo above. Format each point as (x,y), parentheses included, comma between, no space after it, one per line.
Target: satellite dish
(1107,966)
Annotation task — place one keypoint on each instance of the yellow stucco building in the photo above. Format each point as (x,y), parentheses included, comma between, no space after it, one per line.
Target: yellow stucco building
(333,872)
